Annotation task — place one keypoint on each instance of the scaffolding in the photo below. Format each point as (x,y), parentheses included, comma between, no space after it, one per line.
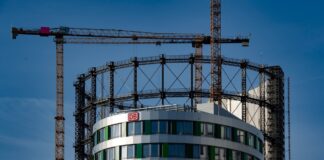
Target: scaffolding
(276,119)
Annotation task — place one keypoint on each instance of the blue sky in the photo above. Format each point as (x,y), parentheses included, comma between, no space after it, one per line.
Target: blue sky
(286,33)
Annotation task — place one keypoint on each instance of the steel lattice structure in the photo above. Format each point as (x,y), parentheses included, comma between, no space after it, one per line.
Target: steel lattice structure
(257,95)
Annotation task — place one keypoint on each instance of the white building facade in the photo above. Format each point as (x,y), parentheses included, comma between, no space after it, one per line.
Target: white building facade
(175,133)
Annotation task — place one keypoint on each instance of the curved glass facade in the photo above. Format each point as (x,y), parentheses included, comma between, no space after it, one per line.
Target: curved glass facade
(171,150)
(178,127)
(175,135)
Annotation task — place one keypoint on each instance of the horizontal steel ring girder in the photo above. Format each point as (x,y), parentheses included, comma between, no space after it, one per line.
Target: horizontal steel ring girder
(183,92)
(157,94)
(177,59)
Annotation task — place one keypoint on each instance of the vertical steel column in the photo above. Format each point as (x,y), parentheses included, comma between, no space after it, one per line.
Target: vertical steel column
(92,103)
(192,92)
(243,98)
(77,137)
(162,93)
(262,97)
(111,67)
(79,118)
(198,72)
(289,146)
(59,118)
(103,108)
(219,88)
(102,86)
(135,94)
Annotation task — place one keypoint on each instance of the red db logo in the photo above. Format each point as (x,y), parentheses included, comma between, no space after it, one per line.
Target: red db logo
(134,116)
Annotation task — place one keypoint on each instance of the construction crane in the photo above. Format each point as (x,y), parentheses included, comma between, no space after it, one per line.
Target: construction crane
(111,36)
(115,36)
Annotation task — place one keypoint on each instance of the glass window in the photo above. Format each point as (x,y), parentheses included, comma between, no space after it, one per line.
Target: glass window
(134,128)
(154,128)
(110,154)
(130,151)
(250,140)
(98,136)
(177,150)
(249,157)
(179,127)
(236,155)
(217,154)
(188,128)
(172,127)
(222,154)
(203,152)
(102,134)
(100,155)
(155,150)
(260,146)
(146,150)
(163,127)
(241,136)
(97,156)
(138,128)
(210,130)
(257,144)
(196,151)
(115,130)
(124,152)
(118,130)
(222,132)
(228,133)
(130,128)
(151,150)
(112,131)
(184,127)
(202,129)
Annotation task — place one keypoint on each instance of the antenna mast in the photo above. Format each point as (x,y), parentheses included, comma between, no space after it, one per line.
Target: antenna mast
(289,149)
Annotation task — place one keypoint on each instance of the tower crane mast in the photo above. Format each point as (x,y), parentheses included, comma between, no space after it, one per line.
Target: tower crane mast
(215,52)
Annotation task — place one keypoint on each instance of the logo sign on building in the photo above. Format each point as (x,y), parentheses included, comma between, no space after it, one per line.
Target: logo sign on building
(133,116)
